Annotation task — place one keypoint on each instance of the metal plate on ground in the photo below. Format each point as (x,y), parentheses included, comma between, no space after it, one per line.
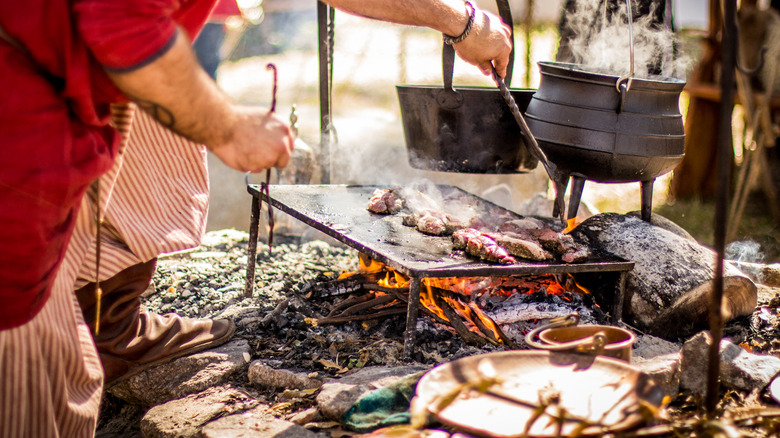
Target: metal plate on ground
(538,394)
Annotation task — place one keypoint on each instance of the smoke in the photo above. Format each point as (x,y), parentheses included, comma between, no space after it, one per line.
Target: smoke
(744,251)
(601,41)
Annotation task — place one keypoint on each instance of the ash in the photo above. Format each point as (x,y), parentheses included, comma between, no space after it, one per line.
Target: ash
(208,282)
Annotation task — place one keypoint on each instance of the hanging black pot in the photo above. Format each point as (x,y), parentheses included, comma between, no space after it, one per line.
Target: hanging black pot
(466,130)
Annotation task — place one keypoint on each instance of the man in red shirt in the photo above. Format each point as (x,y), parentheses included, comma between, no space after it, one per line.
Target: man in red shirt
(63,64)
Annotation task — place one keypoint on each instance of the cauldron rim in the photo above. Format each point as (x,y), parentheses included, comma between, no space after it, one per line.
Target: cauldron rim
(606,77)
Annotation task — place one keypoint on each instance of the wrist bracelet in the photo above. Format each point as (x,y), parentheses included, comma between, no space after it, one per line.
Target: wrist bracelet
(454,40)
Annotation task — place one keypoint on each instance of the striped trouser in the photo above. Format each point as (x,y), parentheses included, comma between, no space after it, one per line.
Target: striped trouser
(154,201)
(51,379)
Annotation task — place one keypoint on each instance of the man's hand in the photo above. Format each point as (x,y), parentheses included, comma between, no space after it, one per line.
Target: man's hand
(260,140)
(487,45)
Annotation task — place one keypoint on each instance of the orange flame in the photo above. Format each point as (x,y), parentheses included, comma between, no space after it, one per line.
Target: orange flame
(571,224)
(368,265)
(426,299)
(471,286)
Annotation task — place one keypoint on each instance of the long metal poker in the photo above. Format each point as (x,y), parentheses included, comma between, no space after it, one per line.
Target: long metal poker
(555,175)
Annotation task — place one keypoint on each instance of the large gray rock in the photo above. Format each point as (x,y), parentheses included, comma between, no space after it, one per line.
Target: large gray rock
(185,375)
(255,423)
(337,396)
(184,417)
(739,369)
(668,292)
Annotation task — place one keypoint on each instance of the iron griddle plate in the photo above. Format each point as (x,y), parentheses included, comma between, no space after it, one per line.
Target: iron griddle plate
(341,211)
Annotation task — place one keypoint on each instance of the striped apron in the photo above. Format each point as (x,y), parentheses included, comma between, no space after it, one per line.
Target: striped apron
(51,379)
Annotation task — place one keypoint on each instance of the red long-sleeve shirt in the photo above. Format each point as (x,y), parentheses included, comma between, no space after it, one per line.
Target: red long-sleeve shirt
(54,114)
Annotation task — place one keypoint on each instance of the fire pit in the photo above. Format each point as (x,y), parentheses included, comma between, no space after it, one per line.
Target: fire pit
(340,212)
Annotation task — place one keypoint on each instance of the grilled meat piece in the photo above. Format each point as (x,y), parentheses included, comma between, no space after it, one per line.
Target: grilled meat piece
(461,238)
(385,201)
(519,246)
(521,225)
(430,224)
(433,222)
(553,241)
(575,254)
(481,245)
(532,231)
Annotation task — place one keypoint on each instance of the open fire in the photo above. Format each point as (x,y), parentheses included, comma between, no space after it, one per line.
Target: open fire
(461,304)
(423,263)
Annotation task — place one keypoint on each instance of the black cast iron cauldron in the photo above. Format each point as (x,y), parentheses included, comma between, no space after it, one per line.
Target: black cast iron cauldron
(464,130)
(590,130)
(606,128)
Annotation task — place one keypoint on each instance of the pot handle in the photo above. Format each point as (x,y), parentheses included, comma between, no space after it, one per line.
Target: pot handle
(593,344)
(624,82)
(448,53)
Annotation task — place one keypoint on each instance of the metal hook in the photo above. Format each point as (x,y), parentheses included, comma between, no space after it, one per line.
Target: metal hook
(753,71)
(630,74)
(271,66)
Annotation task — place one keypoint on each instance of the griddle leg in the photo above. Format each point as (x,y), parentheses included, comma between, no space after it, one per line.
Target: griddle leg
(254,225)
(577,186)
(617,309)
(647,199)
(412,309)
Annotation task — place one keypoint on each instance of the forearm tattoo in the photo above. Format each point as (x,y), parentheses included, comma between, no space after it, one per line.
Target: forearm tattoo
(159,112)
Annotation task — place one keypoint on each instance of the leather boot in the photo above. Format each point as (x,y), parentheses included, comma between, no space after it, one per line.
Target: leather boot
(132,339)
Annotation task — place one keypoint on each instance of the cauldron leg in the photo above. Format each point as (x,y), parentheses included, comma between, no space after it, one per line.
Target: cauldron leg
(647,199)
(560,192)
(577,185)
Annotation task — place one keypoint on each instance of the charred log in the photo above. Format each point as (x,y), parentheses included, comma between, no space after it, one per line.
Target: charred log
(342,286)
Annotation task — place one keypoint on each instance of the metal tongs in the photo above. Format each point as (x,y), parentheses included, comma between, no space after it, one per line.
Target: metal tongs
(265,186)
(559,179)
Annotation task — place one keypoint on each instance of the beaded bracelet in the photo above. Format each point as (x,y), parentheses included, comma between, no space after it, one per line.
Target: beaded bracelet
(454,40)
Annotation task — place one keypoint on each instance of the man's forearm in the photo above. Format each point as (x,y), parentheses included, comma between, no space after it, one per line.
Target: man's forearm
(487,45)
(178,93)
(446,16)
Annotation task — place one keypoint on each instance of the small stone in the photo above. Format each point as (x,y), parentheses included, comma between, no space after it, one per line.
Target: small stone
(265,376)
(185,375)
(184,417)
(306,416)
(337,396)
(739,369)
(256,423)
